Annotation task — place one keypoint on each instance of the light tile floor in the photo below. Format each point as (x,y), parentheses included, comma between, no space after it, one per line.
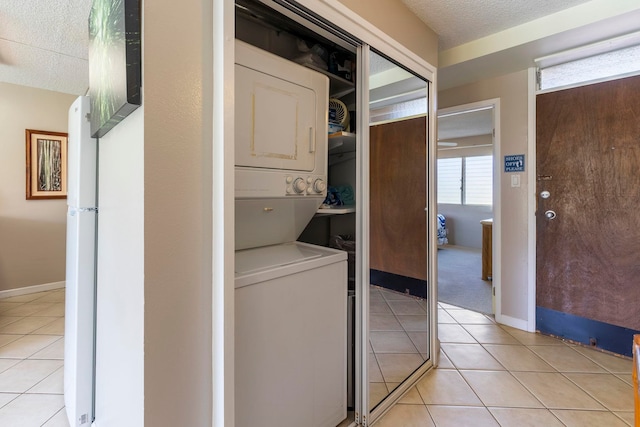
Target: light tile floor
(489,375)
(397,338)
(31,360)
(494,375)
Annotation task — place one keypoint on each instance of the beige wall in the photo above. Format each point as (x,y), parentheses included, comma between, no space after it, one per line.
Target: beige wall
(32,232)
(177,213)
(154,267)
(512,91)
(396,20)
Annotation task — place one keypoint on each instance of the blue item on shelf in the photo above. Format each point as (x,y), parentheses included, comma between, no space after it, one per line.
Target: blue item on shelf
(346,194)
(339,196)
(333,197)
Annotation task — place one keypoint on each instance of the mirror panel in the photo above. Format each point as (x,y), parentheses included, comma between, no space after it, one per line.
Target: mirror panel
(398,232)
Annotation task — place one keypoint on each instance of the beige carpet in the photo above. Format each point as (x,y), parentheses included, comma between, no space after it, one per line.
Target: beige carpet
(459,279)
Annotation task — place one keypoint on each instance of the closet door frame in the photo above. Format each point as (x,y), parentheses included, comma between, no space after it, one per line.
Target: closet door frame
(370,415)
(356,28)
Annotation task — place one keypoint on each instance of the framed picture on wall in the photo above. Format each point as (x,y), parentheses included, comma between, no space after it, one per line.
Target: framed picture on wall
(46,165)
(115,63)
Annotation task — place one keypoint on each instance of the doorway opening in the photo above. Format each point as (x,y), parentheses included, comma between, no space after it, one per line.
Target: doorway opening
(468,174)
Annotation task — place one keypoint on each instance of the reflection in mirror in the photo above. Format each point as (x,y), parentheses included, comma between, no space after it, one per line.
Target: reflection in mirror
(398,322)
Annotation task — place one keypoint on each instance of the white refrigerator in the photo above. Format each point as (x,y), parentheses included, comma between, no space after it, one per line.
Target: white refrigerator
(79,345)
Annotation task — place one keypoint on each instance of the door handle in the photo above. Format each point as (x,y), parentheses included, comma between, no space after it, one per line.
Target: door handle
(550,215)
(312,140)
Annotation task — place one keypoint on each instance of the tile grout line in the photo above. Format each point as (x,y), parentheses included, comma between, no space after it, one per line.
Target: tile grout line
(586,391)
(563,374)
(51,417)
(511,372)
(402,330)
(556,370)
(45,378)
(50,303)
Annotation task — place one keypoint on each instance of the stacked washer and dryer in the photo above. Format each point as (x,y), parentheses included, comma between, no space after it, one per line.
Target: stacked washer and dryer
(290,297)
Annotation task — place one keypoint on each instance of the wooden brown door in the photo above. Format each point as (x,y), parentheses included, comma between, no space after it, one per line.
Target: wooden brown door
(398,222)
(588,255)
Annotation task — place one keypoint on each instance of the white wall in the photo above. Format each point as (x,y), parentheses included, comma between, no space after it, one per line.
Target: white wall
(463,223)
(512,89)
(120,310)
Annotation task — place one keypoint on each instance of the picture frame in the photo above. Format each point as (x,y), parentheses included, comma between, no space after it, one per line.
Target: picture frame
(46,156)
(115,62)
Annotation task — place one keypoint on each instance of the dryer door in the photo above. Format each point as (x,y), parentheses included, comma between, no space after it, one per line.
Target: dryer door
(275,122)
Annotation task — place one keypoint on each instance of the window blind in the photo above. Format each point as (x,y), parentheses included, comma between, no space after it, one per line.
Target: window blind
(466,180)
(450,180)
(478,180)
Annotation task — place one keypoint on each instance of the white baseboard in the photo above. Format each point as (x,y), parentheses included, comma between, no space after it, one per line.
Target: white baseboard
(513,322)
(31,289)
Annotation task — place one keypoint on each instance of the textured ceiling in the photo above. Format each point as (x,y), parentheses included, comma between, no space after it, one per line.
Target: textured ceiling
(461,21)
(44,44)
(465,124)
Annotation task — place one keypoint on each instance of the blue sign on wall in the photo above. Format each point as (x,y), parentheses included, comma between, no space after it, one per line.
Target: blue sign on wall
(514,163)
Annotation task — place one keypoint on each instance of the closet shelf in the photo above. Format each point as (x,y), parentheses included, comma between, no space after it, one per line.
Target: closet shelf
(342,142)
(339,86)
(338,210)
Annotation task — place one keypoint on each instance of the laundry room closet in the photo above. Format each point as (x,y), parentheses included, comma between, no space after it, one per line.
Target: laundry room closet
(301,323)
(316,353)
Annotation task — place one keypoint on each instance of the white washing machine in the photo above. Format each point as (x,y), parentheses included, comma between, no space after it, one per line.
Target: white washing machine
(291,336)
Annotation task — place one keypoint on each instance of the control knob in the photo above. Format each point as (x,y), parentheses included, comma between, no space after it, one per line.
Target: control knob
(319,186)
(299,186)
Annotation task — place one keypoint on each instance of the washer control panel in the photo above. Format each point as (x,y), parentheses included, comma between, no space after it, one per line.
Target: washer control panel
(300,185)
(262,184)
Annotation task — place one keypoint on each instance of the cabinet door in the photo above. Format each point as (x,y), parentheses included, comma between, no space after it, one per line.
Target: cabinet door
(275,122)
